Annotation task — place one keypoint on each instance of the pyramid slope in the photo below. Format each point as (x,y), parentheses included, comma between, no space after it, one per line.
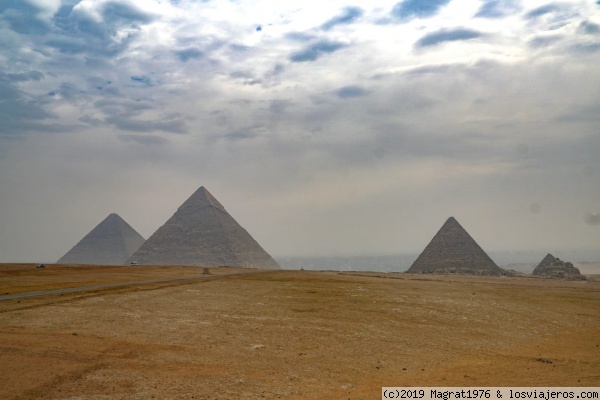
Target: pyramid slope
(202,233)
(111,242)
(453,251)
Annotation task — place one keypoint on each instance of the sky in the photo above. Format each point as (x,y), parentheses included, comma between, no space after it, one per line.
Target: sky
(324,128)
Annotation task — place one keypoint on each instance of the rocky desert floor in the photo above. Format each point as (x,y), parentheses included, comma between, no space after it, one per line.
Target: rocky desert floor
(288,334)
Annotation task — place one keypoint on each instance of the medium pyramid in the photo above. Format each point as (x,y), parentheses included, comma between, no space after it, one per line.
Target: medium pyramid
(111,242)
(202,233)
(453,251)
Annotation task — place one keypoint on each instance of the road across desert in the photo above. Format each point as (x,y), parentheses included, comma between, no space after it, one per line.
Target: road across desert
(288,334)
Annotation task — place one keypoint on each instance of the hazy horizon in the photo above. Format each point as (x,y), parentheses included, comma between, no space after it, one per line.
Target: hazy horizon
(404,260)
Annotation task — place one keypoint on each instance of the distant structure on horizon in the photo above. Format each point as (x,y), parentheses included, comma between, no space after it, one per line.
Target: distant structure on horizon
(453,251)
(552,267)
(202,233)
(111,242)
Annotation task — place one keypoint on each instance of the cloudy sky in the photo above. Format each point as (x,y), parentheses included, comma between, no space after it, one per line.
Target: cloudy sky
(324,128)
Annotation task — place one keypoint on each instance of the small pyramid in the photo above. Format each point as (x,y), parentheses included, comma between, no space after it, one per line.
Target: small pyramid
(203,233)
(453,251)
(111,242)
(552,267)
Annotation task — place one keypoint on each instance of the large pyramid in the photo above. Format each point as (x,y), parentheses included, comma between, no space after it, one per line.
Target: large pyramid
(111,242)
(453,251)
(202,233)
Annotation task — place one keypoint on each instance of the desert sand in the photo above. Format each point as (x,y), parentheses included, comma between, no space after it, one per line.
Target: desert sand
(288,334)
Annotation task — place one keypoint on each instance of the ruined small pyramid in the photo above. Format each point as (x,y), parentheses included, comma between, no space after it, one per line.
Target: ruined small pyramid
(111,242)
(202,233)
(552,267)
(453,251)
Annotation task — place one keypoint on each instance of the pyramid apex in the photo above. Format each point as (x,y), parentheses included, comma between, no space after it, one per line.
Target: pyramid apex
(451,223)
(202,198)
(114,218)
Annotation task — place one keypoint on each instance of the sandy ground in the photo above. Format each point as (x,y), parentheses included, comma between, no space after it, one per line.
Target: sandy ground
(289,334)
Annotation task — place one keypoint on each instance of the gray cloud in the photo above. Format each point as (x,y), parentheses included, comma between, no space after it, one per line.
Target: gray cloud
(246,77)
(189,54)
(19,112)
(124,106)
(241,135)
(543,10)
(169,123)
(279,106)
(89,120)
(135,116)
(239,48)
(69,92)
(433,69)
(447,35)
(408,9)
(71,45)
(101,84)
(589,28)
(20,17)
(143,79)
(77,33)
(498,8)
(348,16)
(544,41)
(22,76)
(351,91)
(146,140)
(586,47)
(116,11)
(316,50)
(300,36)
(275,71)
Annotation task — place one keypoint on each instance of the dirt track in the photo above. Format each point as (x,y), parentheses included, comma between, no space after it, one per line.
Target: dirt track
(291,334)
